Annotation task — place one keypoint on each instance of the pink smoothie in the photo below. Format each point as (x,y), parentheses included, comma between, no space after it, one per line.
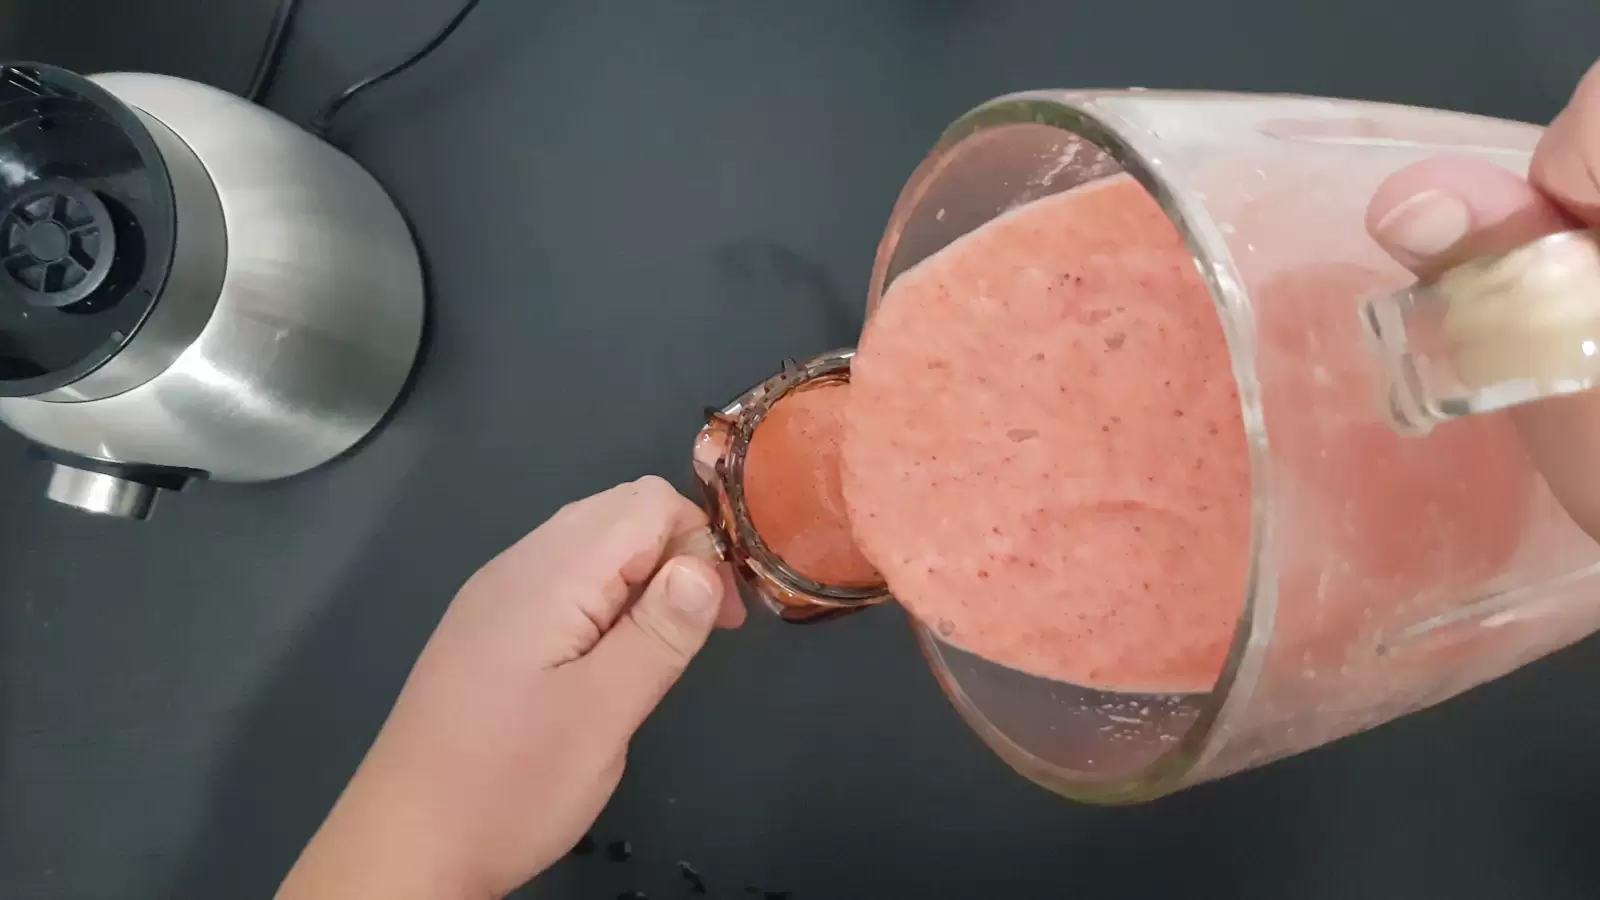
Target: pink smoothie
(1043,449)
(792,491)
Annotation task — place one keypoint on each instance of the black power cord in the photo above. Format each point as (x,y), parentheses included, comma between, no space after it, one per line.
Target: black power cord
(277,37)
(267,67)
(323,120)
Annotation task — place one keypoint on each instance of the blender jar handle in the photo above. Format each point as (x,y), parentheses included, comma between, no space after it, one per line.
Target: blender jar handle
(1496,332)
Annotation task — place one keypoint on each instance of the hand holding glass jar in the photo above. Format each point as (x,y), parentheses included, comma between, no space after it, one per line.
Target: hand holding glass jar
(1444,213)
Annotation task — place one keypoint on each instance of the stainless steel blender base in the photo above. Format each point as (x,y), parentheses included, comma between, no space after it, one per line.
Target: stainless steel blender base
(284,331)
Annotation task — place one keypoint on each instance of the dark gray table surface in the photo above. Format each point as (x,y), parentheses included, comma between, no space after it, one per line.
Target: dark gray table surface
(215,41)
(629,211)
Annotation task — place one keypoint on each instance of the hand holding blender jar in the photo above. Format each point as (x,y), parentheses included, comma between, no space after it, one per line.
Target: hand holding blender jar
(1182,458)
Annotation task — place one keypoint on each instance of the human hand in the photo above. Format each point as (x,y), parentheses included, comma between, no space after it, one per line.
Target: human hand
(512,731)
(1442,212)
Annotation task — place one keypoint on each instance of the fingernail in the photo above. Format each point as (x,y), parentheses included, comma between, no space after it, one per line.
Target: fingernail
(1426,225)
(690,591)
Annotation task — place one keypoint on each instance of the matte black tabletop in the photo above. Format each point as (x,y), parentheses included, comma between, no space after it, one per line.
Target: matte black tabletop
(630,210)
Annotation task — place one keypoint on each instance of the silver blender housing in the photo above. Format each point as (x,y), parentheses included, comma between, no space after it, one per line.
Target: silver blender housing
(190,287)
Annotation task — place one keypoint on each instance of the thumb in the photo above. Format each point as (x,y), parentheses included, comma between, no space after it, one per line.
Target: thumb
(1445,211)
(644,653)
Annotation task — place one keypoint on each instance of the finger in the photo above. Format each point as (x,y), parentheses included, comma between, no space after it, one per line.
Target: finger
(1566,167)
(1442,212)
(639,659)
(703,545)
(616,540)
(1563,434)
(731,614)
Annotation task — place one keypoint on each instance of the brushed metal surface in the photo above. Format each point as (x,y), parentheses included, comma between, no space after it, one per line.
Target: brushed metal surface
(100,494)
(316,326)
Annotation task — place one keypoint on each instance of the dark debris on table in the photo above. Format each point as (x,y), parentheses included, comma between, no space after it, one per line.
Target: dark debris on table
(621,851)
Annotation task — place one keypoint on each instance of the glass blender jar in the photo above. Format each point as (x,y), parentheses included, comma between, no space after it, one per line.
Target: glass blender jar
(1392,563)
